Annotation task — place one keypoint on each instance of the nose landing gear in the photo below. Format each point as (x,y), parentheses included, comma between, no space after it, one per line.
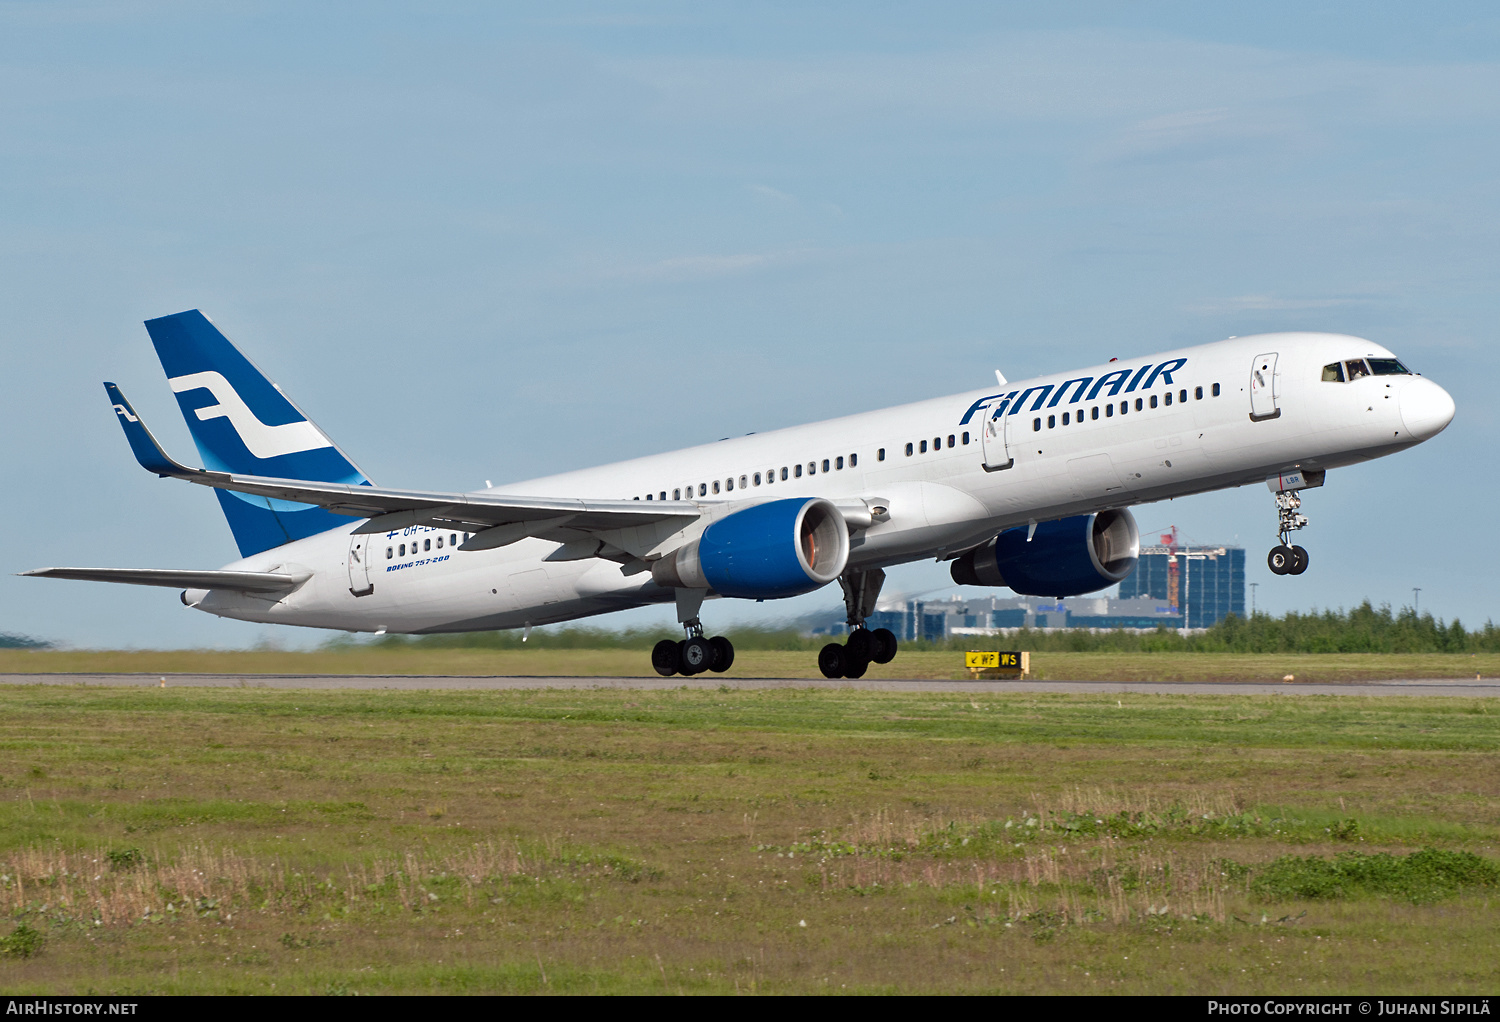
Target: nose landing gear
(863,647)
(1283,558)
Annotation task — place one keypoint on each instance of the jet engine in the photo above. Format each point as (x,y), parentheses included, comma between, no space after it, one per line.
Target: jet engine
(1068,557)
(767,551)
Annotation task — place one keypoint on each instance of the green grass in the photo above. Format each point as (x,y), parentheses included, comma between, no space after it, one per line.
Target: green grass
(616,662)
(255,840)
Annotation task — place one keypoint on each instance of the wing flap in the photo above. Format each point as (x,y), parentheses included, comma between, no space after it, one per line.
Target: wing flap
(236,581)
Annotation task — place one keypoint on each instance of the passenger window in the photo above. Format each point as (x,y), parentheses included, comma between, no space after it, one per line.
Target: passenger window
(853,460)
(950,441)
(440,542)
(1198,393)
(1153,399)
(1388,367)
(1216,390)
(937,443)
(783,473)
(757,479)
(825,464)
(1124,407)
(1109,410)
(812,468)
(880,454)
(1094,414)
(1051,422)
(1065,418)
(648,497)
(729,483)
(703,489)
(1182,395)
(390,552)
(676,494)
(922,447)
(797,470)
(635,498)
(838,463)
(663,495)
(426,544)
(743,481)
(1139,405)
(453,538)
(716,486)
(1169,400)
(1333,372)
(966,438)
(908,450)
(1036,425)
(403,549)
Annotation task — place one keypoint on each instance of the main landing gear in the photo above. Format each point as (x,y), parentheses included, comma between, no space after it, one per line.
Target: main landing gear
(863,647)
(694,654)
(1284,559)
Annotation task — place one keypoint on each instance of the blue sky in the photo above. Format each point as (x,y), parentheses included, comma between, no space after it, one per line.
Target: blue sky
(490,242)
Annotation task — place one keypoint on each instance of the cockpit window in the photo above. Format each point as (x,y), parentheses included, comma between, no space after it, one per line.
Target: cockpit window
(1388,367)
(1333,373)
(1356,368)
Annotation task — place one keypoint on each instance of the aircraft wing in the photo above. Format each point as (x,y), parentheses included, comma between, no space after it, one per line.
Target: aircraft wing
(238,581)
(514,517)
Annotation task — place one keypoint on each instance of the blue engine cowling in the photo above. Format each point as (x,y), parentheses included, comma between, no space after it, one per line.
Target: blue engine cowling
(1067,557)
(767,551)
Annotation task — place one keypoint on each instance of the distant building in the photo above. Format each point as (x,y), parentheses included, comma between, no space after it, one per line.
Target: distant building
(1210,581)
(936,620)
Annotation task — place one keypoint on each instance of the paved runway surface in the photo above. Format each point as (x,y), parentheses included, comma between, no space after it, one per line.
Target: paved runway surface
(1394,687)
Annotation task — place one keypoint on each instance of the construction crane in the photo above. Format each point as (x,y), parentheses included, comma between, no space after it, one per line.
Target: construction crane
(1169,540)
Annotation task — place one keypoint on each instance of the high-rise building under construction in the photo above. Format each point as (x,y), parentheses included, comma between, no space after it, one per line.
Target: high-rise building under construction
(1206,583)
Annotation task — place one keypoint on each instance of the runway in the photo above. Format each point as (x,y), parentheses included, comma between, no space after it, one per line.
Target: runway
(1487,688)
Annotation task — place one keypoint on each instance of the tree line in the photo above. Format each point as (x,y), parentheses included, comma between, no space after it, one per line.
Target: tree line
(1364,629)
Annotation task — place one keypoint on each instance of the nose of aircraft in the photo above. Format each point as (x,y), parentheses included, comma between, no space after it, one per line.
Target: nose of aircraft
(1426,408)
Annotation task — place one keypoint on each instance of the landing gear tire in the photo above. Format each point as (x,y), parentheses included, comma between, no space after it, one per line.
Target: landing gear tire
(855,666)
(832,661)
(860,645)
(885,645)
(1299,561)
(697,655)
(666,657)
(723,654)
(1281,559)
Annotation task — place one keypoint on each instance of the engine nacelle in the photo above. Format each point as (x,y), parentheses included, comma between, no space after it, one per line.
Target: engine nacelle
(767,551)
(1067,557)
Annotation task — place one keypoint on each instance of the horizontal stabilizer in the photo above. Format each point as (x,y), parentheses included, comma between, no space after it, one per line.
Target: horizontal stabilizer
(235,581)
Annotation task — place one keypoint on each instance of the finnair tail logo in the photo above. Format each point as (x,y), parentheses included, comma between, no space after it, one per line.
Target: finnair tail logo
(122,410)
(261,440)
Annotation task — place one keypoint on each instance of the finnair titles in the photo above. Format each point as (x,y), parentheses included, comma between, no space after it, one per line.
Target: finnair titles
(1026,485)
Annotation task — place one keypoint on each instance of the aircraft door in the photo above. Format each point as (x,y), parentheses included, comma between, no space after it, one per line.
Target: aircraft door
(993,440)
(1263,388)
(360,548)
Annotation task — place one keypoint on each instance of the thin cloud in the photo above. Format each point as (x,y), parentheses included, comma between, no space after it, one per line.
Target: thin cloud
(1269,303)
(705,267)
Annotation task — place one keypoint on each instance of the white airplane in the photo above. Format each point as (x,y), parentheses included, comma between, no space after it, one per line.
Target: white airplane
(1026,485)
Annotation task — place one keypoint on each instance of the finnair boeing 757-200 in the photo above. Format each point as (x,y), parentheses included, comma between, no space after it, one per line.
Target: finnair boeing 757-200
(1026,485)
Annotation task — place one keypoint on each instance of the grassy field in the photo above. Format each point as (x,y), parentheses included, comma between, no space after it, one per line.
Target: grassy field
(253,840)
(757,664)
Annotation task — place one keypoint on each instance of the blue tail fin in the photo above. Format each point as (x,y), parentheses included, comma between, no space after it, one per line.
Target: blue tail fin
(243,424)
